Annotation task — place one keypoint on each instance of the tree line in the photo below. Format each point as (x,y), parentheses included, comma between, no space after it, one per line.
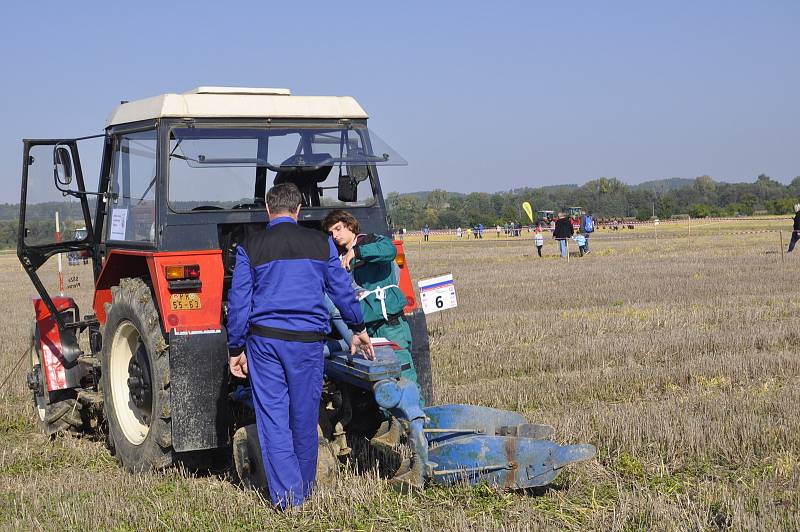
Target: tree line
(604,198)
(40,221)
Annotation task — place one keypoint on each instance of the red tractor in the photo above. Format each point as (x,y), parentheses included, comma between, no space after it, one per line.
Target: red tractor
(182,181)
(575,215)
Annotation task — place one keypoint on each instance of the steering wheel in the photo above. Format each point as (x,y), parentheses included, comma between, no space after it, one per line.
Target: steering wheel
(328,161)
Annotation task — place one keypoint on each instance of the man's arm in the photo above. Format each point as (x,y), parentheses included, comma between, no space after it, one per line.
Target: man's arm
(339,288)
(374,248)
(240,300)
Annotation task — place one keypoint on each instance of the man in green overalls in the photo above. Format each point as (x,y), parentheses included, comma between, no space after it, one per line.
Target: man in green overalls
(370,259)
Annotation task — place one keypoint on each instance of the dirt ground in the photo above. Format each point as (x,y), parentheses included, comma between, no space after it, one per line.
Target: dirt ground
(675,353)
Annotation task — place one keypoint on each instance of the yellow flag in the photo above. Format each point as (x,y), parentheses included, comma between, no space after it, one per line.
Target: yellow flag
(528,210)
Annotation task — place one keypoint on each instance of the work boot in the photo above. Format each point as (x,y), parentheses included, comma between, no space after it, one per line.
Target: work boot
(388,440)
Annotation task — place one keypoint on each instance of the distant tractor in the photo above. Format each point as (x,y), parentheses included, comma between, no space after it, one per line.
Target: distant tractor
(74,258)
(543,218)
(182,183)
(575,215)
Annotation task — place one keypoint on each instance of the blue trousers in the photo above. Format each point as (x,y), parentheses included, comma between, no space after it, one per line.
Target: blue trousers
(562,246)
(287,384)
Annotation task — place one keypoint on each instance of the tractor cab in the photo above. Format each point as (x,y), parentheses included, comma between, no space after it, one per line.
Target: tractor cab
(185,175)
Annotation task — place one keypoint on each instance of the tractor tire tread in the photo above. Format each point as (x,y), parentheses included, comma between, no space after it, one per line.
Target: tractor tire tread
(133,301)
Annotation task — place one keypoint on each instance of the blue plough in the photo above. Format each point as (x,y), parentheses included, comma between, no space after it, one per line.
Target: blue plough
(449,444)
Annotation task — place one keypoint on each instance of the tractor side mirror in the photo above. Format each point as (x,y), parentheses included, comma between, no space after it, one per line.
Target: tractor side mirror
(359,173)
(348,189)
(62,165)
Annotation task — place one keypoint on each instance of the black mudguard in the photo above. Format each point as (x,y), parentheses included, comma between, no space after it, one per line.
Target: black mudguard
(421,353)
(201,413)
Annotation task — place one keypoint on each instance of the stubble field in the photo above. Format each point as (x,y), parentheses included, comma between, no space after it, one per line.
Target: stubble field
(677,358)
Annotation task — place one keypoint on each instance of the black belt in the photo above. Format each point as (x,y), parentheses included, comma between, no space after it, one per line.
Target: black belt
(393,320)
(286,334)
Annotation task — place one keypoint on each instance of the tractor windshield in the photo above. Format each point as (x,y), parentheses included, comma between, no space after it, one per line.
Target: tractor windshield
(230,168)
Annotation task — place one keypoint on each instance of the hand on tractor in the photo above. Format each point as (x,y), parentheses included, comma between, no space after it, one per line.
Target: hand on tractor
(362,342)
(238,365)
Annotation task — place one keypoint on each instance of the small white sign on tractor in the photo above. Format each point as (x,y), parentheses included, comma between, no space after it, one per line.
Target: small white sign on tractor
(437,293)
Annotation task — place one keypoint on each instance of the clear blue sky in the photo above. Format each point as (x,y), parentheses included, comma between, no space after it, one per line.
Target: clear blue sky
(481,96)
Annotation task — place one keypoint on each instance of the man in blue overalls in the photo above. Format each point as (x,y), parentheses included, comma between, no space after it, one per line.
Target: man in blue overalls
(277,314)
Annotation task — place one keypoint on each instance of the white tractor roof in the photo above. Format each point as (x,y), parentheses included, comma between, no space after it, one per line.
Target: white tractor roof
(236,102)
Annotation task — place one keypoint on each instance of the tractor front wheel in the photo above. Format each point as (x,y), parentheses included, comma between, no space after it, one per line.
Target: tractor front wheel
(135,379)
(57,411)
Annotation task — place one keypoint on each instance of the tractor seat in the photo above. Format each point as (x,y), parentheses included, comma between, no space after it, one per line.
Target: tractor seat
(306,179)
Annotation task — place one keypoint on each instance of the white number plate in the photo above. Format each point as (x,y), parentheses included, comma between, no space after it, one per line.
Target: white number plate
(437,293)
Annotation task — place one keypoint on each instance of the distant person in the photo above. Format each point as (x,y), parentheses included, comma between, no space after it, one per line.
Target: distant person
(587,228)
(538,241)
(426,231)
(795,228)
(580,239)
(499,230)
(563,230)
(480,230)
(458,231)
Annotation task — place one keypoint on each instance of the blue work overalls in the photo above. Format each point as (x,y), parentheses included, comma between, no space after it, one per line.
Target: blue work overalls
(277,312)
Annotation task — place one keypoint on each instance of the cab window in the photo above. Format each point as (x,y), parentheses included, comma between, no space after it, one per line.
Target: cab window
(131,215)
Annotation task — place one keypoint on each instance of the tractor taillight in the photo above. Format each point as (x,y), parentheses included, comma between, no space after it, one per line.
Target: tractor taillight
(192,271)
(184,271)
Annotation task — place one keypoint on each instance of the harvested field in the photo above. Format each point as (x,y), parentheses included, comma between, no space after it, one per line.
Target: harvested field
(677,358)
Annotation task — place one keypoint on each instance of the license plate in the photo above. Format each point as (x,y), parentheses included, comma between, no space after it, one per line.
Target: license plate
(184,302)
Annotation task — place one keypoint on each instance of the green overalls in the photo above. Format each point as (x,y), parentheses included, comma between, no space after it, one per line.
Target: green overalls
(382,301)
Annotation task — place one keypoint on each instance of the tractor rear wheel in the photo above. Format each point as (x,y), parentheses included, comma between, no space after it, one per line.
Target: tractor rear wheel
(135,379)
(249,464)
(57,411)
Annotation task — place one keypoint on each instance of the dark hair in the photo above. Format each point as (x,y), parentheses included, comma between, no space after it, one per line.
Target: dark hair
(284,197)
(345,217)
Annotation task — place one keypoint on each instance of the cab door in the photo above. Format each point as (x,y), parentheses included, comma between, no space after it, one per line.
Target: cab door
(54,208)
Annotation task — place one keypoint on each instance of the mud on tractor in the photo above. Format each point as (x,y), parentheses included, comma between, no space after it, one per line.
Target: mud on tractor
(182,181)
